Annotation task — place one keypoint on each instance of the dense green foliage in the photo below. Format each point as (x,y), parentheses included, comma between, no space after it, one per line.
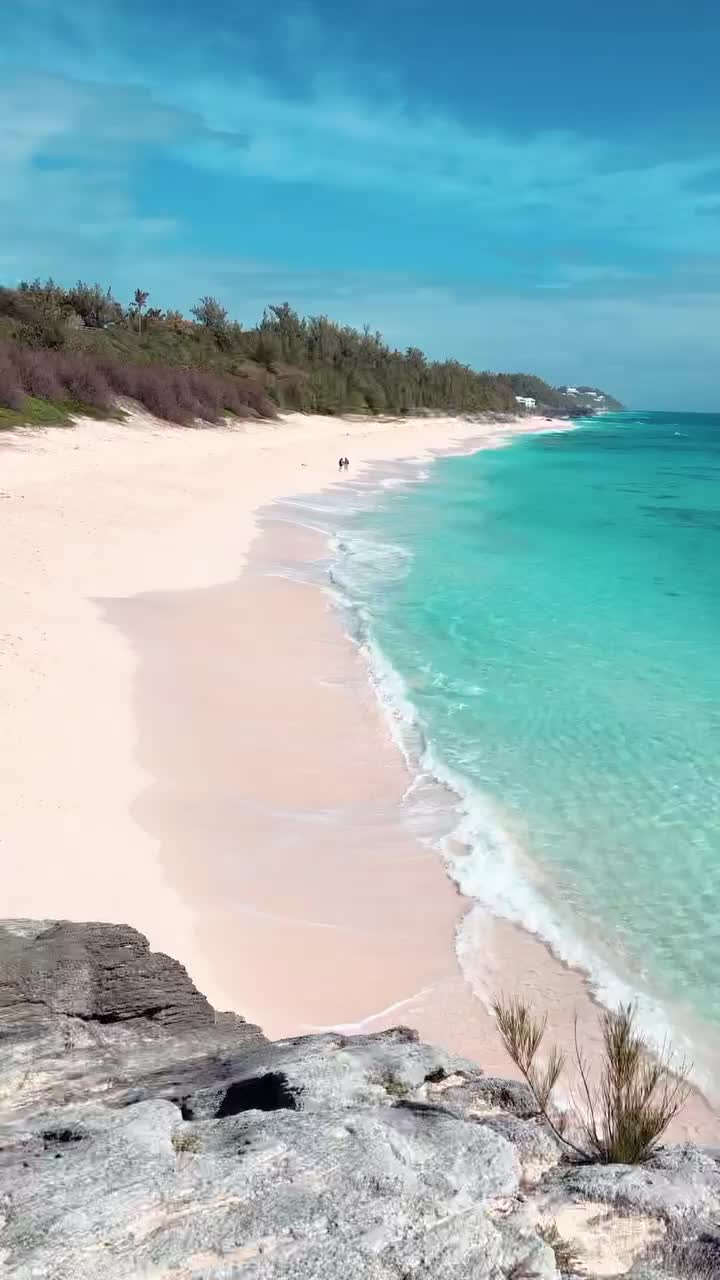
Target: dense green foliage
(310,364)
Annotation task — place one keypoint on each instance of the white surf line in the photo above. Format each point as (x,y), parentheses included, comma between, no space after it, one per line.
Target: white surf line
(281,919)
(356,1028)
(317,924)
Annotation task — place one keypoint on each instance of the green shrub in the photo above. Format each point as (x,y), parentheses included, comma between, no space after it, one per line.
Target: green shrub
(395,1087)
(186,1142)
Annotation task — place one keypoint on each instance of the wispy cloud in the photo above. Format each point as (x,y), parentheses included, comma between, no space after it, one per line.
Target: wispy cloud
(66,153)
(350,128)
(581,232)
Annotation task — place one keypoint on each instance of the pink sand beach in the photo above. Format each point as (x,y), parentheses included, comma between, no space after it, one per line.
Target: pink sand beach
(195,747)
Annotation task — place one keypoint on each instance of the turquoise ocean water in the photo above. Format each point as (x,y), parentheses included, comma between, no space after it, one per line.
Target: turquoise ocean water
(543,622)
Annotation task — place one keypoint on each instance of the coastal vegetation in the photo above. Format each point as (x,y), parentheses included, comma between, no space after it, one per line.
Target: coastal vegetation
(66,350)
(622,1117)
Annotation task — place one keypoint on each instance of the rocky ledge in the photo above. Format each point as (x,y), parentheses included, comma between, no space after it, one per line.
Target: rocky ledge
(144,1135)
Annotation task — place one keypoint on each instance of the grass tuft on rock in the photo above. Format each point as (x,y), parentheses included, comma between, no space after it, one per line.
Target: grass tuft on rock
(394,1086)
(186,1142)
(622,1116)
(566,1260)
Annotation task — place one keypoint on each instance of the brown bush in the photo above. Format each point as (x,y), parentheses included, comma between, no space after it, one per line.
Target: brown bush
(175,394)
(11,390)
(158,396)
(124,379)
(82,381)
(37,374)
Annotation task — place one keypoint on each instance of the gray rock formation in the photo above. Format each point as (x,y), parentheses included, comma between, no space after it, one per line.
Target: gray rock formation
(93,972)
(144,1135)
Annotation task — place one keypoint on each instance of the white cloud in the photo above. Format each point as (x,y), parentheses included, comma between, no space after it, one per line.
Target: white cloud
(554,183)
(102,95)
(352,128)
(66,153)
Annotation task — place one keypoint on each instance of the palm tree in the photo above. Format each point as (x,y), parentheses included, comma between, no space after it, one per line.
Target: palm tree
(141,298)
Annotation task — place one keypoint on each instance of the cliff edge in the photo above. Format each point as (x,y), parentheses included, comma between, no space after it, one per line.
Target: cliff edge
(142,1134)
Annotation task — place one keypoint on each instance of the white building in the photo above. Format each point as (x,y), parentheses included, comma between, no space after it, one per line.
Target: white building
(527,401)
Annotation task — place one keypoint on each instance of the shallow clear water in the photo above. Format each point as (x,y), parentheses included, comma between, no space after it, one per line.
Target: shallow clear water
(553,609)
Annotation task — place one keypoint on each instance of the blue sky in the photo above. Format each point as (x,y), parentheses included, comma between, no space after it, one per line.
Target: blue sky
(523,186)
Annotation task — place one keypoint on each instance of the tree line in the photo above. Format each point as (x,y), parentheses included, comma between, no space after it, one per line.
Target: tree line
(311,364)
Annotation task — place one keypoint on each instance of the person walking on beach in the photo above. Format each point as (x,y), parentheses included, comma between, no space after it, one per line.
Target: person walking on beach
(346,463)
(341,464)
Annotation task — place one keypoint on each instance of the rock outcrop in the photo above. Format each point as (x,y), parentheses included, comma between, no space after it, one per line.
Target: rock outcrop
(144,1135)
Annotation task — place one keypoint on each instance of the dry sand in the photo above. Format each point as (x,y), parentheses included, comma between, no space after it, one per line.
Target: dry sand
(101,512)
(197,751)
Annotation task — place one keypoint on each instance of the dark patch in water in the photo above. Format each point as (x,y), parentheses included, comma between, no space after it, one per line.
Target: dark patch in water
(685,473)
(689,517)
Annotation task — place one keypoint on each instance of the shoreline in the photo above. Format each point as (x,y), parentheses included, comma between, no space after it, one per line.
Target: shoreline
(197,800)
(114,510)
(450,1009)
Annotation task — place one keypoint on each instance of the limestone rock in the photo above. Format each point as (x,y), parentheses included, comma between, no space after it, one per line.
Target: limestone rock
(84,1005)
(679,1182)
(144,1135)
(96,972)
